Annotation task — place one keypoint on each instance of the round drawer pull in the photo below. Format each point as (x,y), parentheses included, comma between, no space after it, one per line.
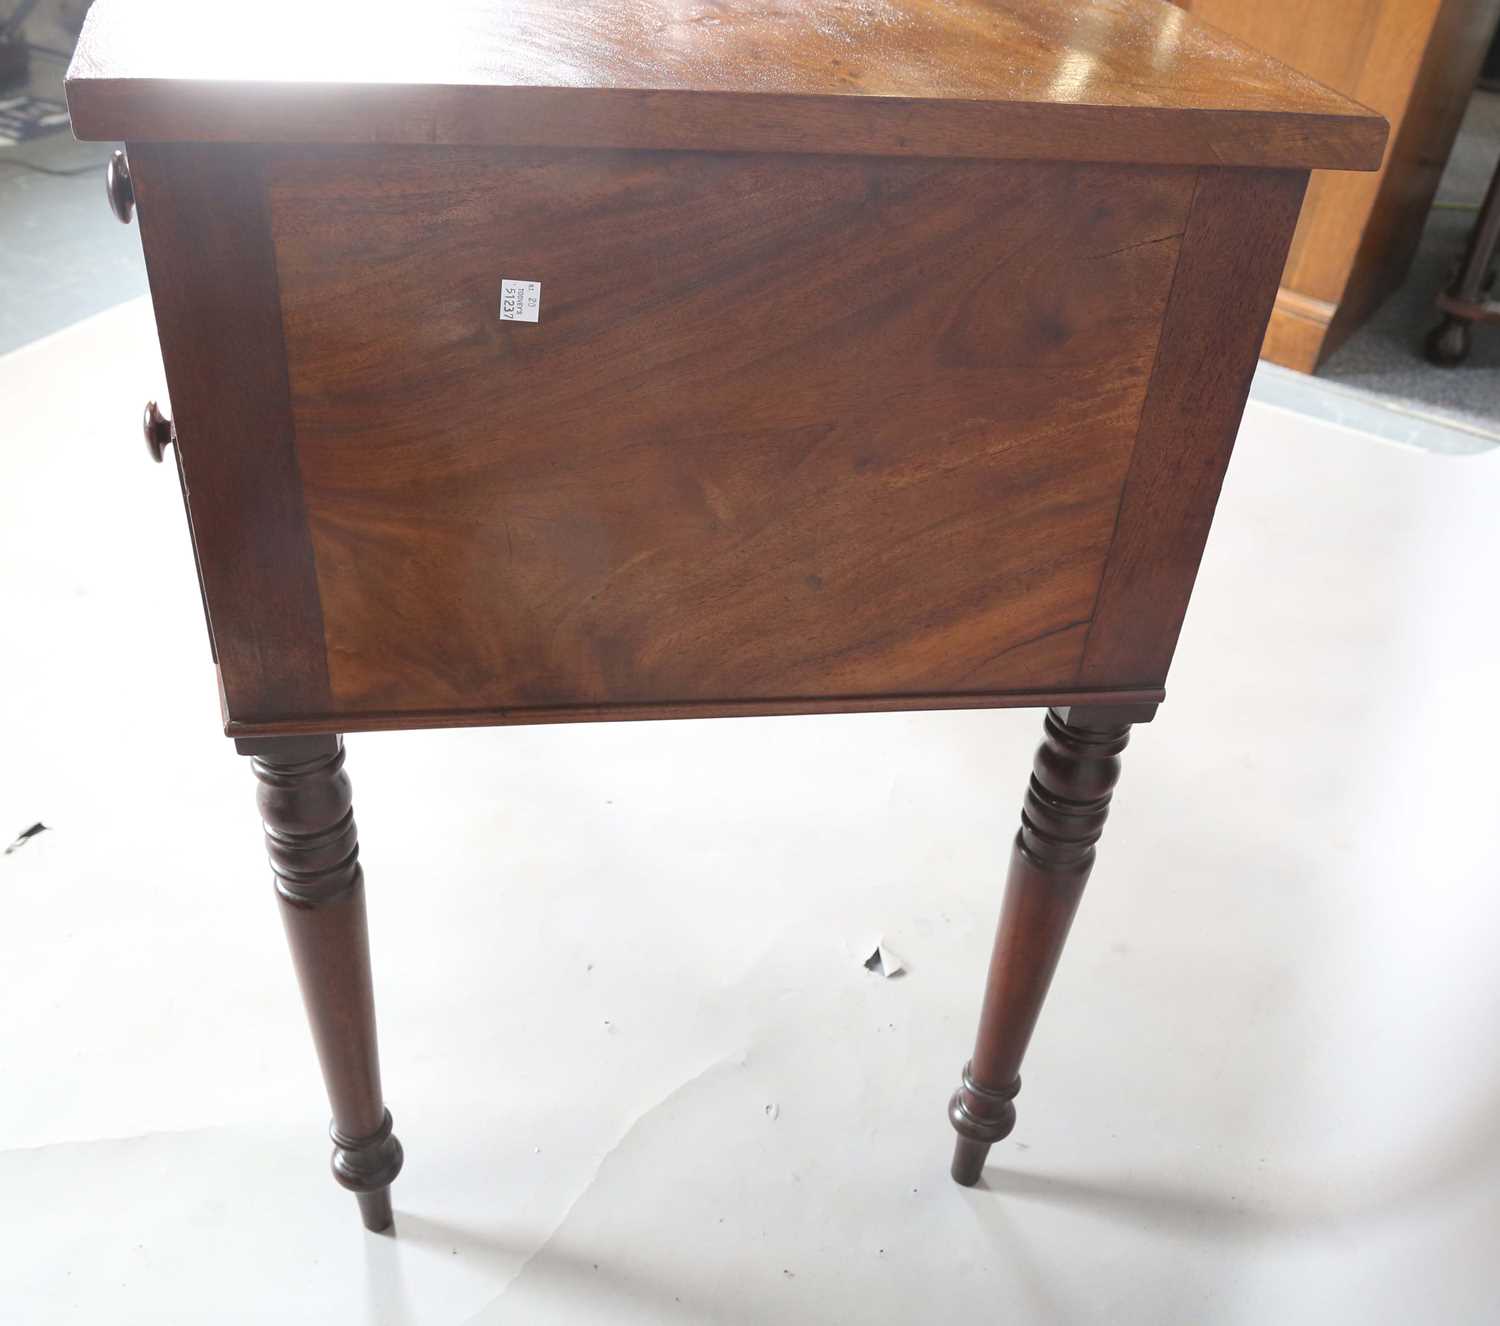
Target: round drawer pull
(158,430)
(117,185)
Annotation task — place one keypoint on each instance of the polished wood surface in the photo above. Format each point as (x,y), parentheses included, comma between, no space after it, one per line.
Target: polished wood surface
(1415,62)
(413,720)
(213,278)
(870,434)
(843,442)
(1123,80)
(117,186)
(1067,801)
(307,808)
(1235,240)
(156,428)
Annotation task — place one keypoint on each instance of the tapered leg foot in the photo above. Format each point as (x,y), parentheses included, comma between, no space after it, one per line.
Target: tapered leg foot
(1073,777)
(981,1117)
(367,1166)
(1449,343)
(307,807)
(375,1211)
(968,1161)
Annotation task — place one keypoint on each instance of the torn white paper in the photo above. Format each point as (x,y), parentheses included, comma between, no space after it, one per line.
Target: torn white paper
(883,962)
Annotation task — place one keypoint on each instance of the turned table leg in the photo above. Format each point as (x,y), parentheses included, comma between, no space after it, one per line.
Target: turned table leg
(306,805)
(1074,773)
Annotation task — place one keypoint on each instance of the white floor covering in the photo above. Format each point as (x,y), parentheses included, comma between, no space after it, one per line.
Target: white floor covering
(639,1071)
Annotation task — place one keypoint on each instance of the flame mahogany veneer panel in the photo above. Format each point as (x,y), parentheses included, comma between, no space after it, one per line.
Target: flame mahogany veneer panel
(787,426)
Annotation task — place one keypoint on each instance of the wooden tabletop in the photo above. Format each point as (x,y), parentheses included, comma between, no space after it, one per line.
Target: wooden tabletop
(1100,80)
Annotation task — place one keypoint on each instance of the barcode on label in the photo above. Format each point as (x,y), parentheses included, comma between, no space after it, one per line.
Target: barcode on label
(520,301)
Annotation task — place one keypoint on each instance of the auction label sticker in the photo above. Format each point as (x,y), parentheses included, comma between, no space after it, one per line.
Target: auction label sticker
(520,301)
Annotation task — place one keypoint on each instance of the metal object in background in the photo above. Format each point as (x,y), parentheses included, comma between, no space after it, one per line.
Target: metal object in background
(1469,300)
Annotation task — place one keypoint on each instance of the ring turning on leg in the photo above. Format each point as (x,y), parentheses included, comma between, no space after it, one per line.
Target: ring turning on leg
(1066,804)
(307,807)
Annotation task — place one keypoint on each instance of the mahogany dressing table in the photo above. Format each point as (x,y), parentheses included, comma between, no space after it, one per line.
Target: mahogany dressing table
(564,362)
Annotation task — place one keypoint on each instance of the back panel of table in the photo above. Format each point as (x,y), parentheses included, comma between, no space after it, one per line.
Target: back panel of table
(792,432)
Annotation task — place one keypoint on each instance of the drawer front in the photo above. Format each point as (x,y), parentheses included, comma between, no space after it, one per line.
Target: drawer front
(784,427)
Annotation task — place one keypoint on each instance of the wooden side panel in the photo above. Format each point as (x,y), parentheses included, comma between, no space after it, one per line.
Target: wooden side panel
(206,234)
(786,428)
(1236,241)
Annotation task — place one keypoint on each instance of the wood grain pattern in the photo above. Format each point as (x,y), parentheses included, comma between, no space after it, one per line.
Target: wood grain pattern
(206,236)
(1127,80)
(415,720)
(1067,802)
(1235,244)
(307,808)
(787,427)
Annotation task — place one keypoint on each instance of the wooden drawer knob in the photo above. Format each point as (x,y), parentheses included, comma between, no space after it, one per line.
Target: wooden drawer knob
(117,185)
(158,430)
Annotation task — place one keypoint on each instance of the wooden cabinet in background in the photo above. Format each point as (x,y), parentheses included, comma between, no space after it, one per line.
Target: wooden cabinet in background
(1414,61)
